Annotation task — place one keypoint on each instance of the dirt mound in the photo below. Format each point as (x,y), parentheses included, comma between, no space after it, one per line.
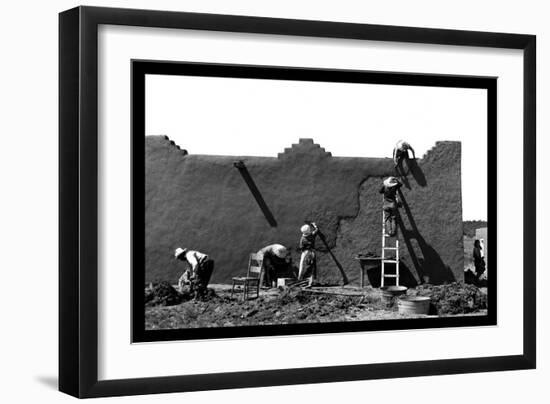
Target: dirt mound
(454,298)
(162,294)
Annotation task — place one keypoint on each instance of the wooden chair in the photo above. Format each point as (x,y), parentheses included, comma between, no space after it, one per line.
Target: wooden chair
(252,278)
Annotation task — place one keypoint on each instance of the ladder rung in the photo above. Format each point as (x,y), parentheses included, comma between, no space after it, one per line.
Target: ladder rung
(392,260)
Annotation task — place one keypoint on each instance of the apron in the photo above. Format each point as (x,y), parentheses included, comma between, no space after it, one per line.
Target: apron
(308,264)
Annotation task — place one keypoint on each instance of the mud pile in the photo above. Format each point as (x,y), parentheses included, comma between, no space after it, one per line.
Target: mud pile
(162,294)
(454,298)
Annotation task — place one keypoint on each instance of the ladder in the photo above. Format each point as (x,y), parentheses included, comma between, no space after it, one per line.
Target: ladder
(390,260)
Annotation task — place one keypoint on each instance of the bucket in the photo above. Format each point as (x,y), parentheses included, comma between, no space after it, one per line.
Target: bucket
(413,304)
(388,293)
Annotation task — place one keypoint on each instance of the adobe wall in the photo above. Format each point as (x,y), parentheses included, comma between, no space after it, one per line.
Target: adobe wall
(202,202)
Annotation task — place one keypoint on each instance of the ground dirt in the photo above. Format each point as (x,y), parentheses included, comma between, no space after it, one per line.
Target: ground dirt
(315,305)
(455,298)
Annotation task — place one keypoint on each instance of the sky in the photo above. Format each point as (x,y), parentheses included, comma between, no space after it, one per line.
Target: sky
(228,116)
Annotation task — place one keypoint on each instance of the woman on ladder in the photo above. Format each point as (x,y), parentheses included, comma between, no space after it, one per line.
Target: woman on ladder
(389,189)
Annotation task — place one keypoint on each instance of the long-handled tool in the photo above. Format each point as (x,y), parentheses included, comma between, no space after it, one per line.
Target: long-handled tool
(324,241)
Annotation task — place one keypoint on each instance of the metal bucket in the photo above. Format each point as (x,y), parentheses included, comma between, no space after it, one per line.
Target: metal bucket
(413,304)
(389,293)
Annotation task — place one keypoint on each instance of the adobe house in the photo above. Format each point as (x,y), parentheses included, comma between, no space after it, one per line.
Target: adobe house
(203,202)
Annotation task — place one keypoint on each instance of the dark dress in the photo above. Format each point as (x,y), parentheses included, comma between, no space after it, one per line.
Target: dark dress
(202,277)
(390,207)
(479,262)
(308,260)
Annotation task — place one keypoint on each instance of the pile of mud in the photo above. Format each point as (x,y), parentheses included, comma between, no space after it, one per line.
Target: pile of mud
(162,294)
(454,298)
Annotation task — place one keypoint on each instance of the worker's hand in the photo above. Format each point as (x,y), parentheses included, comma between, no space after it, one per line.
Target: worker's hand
(182,281)
(186,277)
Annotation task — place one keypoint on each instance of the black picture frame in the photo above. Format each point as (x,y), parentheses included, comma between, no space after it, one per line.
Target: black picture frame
(141,68)
(78,204)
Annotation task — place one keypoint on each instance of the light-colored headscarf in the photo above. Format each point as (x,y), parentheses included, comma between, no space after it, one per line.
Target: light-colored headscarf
(278,250)
(390,182)
(306,229)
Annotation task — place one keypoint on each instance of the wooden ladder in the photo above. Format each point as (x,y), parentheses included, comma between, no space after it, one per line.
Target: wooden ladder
(390,260)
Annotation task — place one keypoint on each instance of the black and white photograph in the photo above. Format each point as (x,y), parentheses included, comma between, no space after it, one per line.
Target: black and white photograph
(251,201)
(273,200)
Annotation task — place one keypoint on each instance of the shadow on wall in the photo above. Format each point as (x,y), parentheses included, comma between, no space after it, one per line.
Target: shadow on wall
(417,173)
(429,266)
(412,168)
